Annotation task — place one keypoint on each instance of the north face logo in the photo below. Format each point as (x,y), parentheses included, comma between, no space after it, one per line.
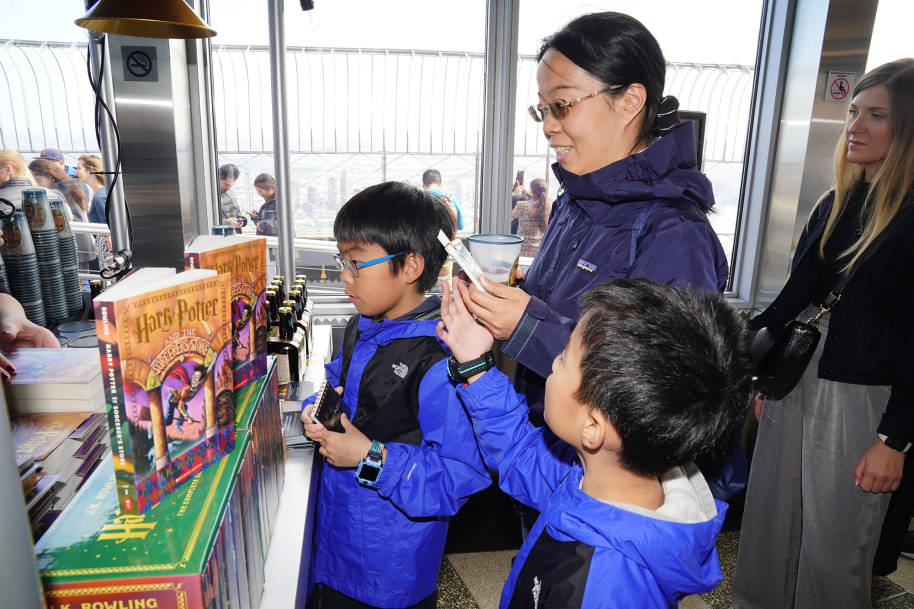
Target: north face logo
(537,585)
(400,369)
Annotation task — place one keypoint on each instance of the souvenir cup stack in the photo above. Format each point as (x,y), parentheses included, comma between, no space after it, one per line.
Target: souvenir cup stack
(69,261)
(44,236)
(22,266)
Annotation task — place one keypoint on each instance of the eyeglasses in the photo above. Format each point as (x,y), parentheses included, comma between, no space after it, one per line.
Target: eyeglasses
(353,266)
(560,109)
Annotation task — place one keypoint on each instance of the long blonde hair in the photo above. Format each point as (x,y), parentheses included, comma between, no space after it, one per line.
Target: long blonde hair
(894,182)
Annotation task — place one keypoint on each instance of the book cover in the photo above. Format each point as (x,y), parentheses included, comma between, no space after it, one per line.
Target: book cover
(172,557)
(35,436)
(55,374)
(244,258)
(165,343)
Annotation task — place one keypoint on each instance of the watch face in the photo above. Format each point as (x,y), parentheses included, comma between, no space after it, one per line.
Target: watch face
(368,472)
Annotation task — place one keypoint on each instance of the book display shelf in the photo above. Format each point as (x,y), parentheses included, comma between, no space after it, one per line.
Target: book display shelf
(204,546)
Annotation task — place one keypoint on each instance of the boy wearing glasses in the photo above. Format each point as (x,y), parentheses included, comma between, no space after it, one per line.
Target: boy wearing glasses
(407,460)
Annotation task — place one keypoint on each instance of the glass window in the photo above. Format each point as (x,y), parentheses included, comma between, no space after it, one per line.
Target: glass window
(369,100)
(890,33)
(710,69)
(46,100)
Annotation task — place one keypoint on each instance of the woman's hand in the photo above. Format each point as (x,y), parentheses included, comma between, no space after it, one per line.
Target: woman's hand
(499,308)
(16,331)
(466,338)
(880,469)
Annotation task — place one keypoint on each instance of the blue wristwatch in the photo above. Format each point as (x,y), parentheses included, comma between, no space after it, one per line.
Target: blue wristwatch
(370,466)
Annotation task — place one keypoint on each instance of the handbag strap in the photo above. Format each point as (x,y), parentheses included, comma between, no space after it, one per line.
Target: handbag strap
(835,294)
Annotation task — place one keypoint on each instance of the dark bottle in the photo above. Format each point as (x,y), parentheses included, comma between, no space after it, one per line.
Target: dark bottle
(301,331)
(295,295)
(302,282)
(272,310)
(288,355)
(279,285)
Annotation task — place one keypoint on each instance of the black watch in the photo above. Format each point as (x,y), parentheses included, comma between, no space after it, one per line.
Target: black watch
(899,446)
(459,373)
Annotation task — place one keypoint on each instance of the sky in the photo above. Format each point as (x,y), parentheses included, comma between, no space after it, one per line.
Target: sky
(709,31)
(435,24)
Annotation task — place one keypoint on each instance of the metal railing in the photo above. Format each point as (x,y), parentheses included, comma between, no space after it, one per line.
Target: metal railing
(356,116)
(342,100)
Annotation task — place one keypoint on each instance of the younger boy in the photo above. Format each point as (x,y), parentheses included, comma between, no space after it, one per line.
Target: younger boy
(651,378)
(408,459)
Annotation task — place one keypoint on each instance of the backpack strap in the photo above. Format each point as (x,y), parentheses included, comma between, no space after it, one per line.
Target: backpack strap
(637,229)
(350,338)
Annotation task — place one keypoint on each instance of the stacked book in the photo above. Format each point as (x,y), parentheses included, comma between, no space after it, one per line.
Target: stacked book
(56,453)
(199,547)
(164,339)
(55,380)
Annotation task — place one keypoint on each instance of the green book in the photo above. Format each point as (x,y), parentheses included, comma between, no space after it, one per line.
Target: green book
(179,554)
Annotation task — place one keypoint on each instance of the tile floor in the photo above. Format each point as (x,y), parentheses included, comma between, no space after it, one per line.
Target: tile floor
(474,580)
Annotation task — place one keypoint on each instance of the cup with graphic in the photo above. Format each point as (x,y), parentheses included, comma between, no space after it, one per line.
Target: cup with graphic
(497,255)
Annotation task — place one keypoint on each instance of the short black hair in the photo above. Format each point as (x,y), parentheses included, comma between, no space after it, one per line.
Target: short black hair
(616,49)
(431,176)
(229,171)
(400,218)
(669,368)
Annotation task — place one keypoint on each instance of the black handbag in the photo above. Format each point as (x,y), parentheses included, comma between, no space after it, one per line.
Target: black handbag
(781,355)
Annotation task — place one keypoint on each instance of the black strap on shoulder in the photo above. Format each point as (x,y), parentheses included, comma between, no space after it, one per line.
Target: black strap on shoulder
(835,295)
(350,338)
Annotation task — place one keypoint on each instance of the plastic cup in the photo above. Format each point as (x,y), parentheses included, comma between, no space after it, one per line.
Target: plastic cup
(496,254)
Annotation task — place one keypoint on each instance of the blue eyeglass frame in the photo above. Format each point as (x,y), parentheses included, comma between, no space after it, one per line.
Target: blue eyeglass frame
(355,266)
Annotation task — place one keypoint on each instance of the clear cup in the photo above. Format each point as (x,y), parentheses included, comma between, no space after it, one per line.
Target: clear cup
(496,255)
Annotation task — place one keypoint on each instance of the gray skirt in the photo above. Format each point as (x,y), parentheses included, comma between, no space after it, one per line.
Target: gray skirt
(809,533)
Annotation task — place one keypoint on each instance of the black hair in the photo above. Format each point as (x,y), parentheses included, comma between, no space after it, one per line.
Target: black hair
(229,171)
(617,49)
(265,180)
(400,218)
(431,176)
(667,366)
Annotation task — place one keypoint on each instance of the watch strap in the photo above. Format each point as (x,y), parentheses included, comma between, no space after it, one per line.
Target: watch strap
(895,444)
(460,372)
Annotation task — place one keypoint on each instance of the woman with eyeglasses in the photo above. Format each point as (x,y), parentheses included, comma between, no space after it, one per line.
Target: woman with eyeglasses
(631,204)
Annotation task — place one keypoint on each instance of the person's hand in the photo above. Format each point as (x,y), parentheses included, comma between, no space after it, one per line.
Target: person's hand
(499,308)
(457,328)
(233,222)
(880,469)
(340,449)
(251,213)
(758,400)
(16,331)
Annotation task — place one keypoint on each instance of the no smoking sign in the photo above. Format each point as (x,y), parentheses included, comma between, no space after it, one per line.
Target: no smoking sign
(839,85)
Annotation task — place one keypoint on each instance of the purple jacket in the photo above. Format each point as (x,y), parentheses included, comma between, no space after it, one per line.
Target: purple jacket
(642,216)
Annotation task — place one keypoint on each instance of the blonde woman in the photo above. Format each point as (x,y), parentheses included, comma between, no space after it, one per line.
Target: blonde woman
(831,452)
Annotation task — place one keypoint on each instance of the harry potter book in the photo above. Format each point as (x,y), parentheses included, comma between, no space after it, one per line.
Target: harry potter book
(165,343)
(196,550)
(244,257)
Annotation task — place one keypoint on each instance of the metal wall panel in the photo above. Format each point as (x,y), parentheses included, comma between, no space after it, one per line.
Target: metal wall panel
(156,150)
(827,36)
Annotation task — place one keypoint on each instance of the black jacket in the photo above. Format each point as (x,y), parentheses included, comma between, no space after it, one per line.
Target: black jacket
(870,339)
(265,218)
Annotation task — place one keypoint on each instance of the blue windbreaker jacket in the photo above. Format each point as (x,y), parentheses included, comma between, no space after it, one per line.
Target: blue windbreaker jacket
(642,216)
(383,545)
(609,556)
